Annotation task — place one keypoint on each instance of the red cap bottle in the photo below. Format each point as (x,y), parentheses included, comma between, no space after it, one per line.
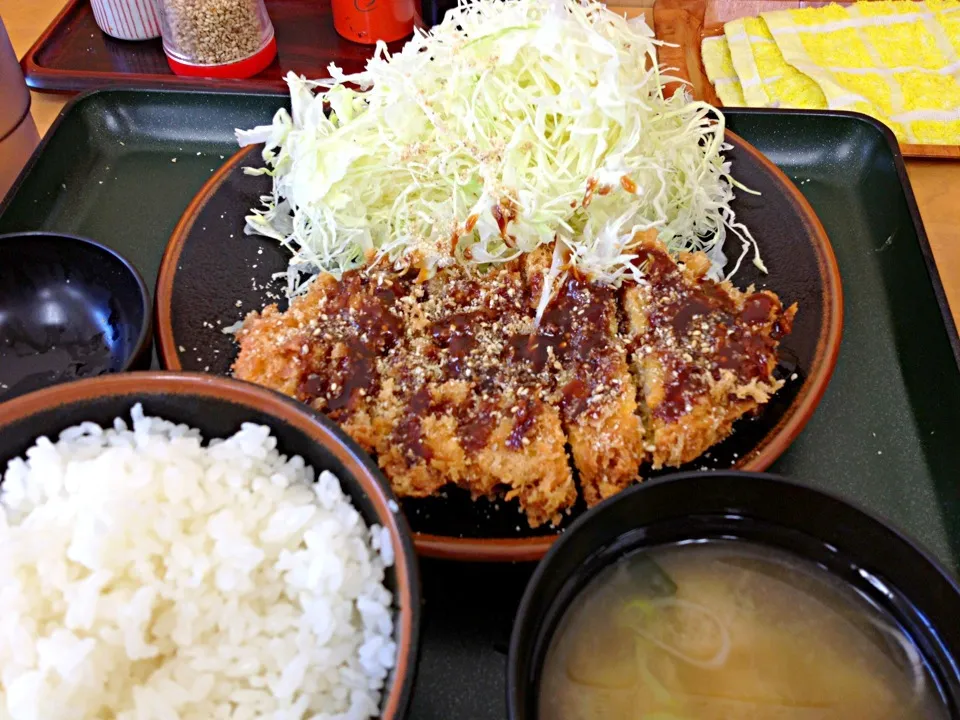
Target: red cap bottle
(367,21)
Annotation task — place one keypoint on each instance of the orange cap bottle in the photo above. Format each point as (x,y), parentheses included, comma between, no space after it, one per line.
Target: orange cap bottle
(367,21)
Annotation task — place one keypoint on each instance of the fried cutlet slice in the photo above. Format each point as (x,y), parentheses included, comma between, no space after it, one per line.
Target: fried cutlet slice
(442,437)
(325,349)
(416,446)
(592,385)
(704,355)
(271,341)
(460,413)
(525,457)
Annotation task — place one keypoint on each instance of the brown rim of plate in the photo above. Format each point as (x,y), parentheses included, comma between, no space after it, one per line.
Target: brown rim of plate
(533,548)
(287,410)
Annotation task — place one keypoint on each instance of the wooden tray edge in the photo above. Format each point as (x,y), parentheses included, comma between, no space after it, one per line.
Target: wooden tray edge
(33,72)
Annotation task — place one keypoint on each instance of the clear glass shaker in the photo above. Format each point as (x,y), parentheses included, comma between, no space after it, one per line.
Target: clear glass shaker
(217,38)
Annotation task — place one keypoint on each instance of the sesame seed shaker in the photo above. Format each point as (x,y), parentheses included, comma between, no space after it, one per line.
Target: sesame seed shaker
(217,38)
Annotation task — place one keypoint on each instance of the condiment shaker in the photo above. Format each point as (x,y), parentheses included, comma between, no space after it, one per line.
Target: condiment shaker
(18,132)
(217,38)
(367,21)
(127,19)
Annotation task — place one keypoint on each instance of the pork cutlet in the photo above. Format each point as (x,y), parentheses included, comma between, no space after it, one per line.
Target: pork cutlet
(703,352)
(453,379)
(578,339)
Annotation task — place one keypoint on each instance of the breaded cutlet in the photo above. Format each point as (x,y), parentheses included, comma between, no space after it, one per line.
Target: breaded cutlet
(326,348)
(418,375)
(452,380)
(703,352)
(591,380)
(465,415)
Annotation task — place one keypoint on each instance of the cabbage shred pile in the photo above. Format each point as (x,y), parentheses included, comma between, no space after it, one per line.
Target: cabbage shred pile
(511,124)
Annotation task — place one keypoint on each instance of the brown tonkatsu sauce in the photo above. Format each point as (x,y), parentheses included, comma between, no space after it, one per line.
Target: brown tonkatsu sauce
(705,332)
(474,424)
(409,431)
(526,418)
(505,213)
(574,327)
(362,314)
(574,396)
(483,333)
(456,334)
(575,335)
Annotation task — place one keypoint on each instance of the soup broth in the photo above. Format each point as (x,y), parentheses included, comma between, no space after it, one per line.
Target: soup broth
(730,631)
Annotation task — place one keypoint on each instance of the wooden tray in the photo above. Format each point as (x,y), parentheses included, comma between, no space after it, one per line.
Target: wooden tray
(884,435)
(687,22)
(73,54)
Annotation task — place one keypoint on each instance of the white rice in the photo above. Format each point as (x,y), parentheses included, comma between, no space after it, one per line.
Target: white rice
(145,575)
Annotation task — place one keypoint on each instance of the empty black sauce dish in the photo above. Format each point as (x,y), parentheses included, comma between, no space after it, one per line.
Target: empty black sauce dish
(69,308)
(878,563)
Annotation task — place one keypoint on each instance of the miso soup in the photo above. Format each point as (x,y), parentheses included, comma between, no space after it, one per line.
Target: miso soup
(730,631)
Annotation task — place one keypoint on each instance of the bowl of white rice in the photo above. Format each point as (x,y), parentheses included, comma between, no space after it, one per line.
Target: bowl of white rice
(180,546)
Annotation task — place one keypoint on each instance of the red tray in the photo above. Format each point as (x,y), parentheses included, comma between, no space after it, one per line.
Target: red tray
(73,54)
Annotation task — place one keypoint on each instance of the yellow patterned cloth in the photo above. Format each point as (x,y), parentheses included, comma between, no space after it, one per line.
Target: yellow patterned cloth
(719,67)
(767,79)
(896,60)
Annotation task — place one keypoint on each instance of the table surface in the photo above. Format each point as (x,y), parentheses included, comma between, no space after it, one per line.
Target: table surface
(936,183)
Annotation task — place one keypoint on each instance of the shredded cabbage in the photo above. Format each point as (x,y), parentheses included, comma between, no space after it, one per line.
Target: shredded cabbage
(509,125)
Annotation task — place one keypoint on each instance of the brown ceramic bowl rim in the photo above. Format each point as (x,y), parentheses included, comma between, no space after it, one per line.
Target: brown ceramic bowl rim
(775,442)
(316,428)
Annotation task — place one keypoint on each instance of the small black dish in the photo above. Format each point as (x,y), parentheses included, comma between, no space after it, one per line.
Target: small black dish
(70,308)
(892,572)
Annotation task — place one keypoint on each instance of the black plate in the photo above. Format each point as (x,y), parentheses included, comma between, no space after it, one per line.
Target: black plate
(213,274)
(884,434)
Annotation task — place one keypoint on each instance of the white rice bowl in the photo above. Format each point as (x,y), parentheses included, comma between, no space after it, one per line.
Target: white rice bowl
(144,574)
